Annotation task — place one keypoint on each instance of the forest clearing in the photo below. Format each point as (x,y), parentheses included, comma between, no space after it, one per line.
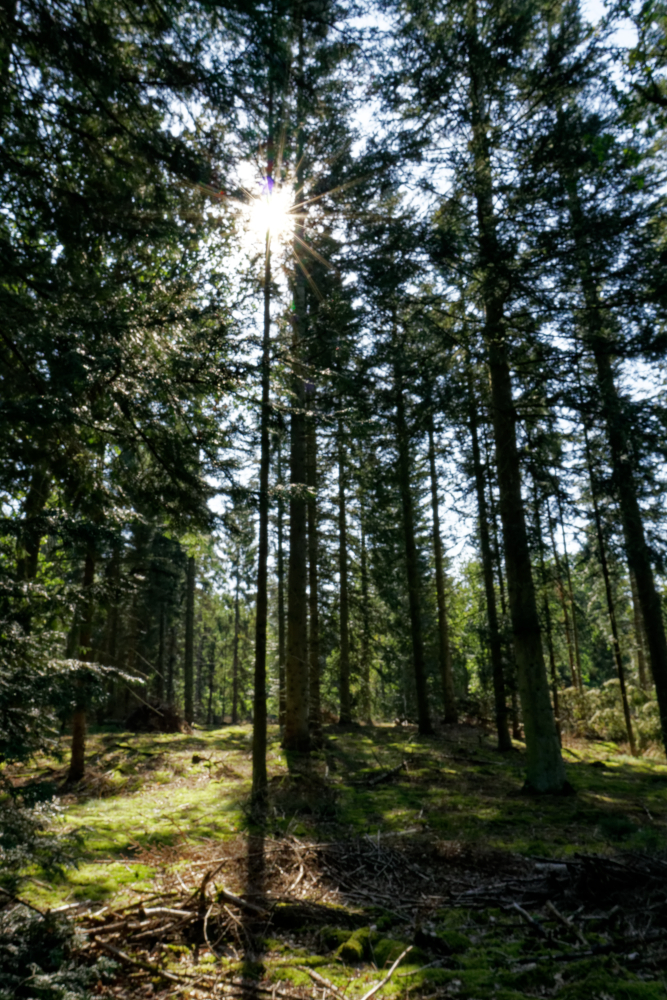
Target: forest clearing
(385,840)
(333,499)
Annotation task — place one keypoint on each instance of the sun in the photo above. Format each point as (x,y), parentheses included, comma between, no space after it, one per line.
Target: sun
(272,212)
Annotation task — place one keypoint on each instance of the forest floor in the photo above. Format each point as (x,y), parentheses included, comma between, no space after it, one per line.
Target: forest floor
(385,845)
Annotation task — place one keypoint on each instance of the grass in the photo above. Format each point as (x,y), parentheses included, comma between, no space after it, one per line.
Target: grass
(150,802)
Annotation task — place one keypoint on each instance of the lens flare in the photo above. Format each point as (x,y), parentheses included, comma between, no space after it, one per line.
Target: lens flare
(271,212)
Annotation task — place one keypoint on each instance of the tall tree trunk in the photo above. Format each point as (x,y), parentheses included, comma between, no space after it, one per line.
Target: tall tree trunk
(344,665)
(560,590)
(495,644)
(445,649)
(30,537)
(235,654)
(188,659)
(171,665)
(315,709)
(411,561)
(281,597)
(570,589)
(365,657)
(77,763)
(545,770)
(546,610)
(509,663)
(296,734)
(639,635)
(259,773)
(597,339)
(604,565)
(159,673)
(211,679)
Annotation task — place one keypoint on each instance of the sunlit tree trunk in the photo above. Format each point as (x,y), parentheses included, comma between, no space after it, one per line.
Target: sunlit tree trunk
(315,711)
(281,596)
(411,560)
(545,770)
(495,644)
(85,654)
(344,663)
(445,649)
(235,653)
(188,658)
(296,734)
(365,655)
(639,635)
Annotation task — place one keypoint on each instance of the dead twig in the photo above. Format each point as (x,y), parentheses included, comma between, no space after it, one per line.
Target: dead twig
(321,981)
(383,982)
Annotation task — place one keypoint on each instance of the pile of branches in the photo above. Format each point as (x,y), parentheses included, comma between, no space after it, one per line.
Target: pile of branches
(566,910)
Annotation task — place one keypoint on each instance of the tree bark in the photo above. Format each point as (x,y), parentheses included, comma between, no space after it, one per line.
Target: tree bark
(188,659)
(211,679)
(411,562)
(159,673)
(296,736)
(545,770)
(365,657)
(604,565)
(570,589)
(597,339)
(77,765)
(235,654)
(281,597)
(344,664)
(315,709)
(259,773)
(445,649)
(640,645)
(495,644)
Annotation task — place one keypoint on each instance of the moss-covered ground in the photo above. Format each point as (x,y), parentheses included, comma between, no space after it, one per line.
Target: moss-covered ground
(157,812)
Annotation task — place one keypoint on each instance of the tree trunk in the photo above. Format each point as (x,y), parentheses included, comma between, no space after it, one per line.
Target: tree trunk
(344,665)
(296,734)
(281,598)
(411,562)
(445,649)
(159,673)
(171,665)
(640,645)
(495,644)
(616,645)
(188,660)
(570,589)
(637,551)
(545,770)
(546,610)
(509,664)
(211,679)
(30,537)
(365,657)
(235,655)
(77,763)
(315,710)
(259,773)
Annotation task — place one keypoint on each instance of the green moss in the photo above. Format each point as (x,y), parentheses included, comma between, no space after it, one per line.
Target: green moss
(455,941)
(332,937)
(351,951)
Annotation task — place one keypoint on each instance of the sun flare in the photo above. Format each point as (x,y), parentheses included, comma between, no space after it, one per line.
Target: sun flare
(271,212)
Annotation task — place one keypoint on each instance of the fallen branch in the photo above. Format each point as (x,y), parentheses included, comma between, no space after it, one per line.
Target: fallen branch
(529,920)
(566,922)
(242,904)
(321,981)
(386,775)
(383,982)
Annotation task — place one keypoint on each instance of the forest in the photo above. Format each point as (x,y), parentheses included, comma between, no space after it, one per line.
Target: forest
(333,561)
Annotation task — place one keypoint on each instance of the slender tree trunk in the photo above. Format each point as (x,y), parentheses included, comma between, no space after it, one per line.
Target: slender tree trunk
(235,655)
(211,679)
(188,660)
(365,657)
(560,590)
(495,644)
(77,763)
(604,565)
(259,773)
(344,666)
(445,649)
(639,635)
(171,666)
(597,338)
(509,664)
(570,589)
(315,710)
(281,598)
(411,562)
(159,673)
(30,537)
(296,734)
(545,770)
(546,610)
